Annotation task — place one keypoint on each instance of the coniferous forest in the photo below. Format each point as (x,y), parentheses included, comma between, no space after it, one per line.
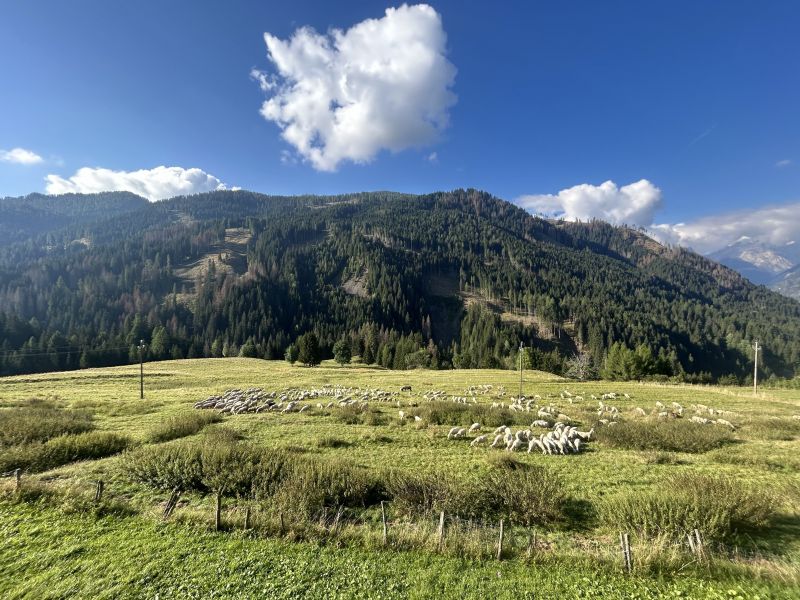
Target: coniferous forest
(453,279)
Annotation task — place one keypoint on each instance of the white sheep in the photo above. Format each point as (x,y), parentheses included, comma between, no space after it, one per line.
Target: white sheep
(474,427)
(478,440)
(497,440)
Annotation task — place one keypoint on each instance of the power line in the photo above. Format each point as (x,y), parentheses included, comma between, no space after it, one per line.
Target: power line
(77,350)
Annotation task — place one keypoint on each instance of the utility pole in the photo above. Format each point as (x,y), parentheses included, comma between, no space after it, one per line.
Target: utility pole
(756,347)
(520,369)
(141,369)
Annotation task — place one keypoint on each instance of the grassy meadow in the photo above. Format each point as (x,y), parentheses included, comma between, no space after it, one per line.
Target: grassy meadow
(650,477)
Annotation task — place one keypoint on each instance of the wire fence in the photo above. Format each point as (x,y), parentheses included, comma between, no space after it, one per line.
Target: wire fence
(386,528)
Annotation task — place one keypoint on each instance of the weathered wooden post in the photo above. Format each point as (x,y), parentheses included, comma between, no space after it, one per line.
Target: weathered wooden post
(218,513)
(338,516)
(171,503)
(627,557)
(98,493)
(17,479)
(500,542)
(385,524)
(247,518)
(699,545)
(280,520)
(441,532)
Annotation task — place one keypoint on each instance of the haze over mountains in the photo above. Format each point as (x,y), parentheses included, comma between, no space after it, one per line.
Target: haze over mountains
(445,279)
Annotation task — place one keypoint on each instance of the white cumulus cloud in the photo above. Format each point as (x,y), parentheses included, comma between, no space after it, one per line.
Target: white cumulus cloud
(383,84)
(773,225)
(20,156)
(154,184)
(633,204)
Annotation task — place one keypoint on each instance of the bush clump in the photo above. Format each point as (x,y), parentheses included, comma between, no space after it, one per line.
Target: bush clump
(719,507)
(451,413)
(670,436)
(311,486)
(523,495)
(182,426)
(353,414)
(229,467)
(40,420)
(42,456)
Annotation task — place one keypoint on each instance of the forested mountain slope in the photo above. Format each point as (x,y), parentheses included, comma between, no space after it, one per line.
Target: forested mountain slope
(455,278)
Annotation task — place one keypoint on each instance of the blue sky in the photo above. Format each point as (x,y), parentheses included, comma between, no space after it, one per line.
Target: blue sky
(699,98)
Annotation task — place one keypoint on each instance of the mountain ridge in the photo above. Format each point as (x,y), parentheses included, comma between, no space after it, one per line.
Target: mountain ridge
(517,277)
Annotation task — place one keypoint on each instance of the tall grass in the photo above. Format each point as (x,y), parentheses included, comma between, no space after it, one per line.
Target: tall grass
(720,507)
(182,425)
(42,456)
(671,436)
(40,420)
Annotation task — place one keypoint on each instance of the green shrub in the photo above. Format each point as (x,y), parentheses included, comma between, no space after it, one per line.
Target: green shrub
(314,485)
(506,462)
(354,414)
(332,442)
(350,414)
(718,506)
(230,467)
(671,436)
(40,420)
(38,456)
(452,413)
(172,466)
(429,493)
(182,425)
(525,496)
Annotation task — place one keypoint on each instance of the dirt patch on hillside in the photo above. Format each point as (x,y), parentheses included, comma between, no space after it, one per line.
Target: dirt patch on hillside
(357,285)
(229,256)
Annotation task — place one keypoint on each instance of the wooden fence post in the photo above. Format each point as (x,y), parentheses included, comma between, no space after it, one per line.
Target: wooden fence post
(280,520)
(98,493)
(247,518)
(17,479)
(699,545)
(338,516)
(441,532)
(385,524)
(172,503)
(218,513)
(627,557)
(500,542)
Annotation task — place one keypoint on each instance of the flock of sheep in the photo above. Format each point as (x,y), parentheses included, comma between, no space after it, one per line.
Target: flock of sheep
(256,400)
(562,439)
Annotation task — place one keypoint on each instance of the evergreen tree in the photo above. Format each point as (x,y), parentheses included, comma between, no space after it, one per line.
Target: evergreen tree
(341,352)
(248,349)
(291,354)
(308,350)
